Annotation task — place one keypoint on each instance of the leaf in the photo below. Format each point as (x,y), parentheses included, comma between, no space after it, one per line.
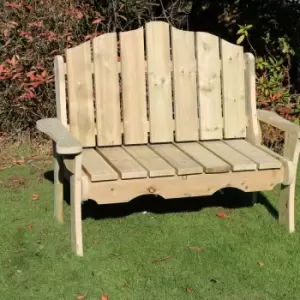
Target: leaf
(97,21)
(13,61)
(19,161)
(18,180)
(36,24)
(222,215)
(240,39)
(261,264)
(195,248)
(29,227)
(5,32)
(12,4)
(104,297)
(161,260)
(82,297)
(4,168)
(35,197)
(88,37)
(189,291)
(122,17)
(12,24)
(53,52)
(240,31)
(18,75)
(28,95)
(44,73)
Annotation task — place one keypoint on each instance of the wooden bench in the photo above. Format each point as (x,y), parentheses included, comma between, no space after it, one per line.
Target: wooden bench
(175,115)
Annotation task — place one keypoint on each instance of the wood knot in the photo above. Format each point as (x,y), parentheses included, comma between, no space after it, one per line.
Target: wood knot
(151,190)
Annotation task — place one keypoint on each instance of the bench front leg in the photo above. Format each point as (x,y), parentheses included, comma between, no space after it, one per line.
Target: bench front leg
(76,198)
(287,193)
(58,185)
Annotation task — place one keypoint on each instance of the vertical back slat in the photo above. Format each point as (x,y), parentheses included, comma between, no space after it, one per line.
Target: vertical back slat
(209,86)
(80,94)
(60,89)
(253,133)
(185,90)
(107,90)
(233,87)
(159,82)
(134,87)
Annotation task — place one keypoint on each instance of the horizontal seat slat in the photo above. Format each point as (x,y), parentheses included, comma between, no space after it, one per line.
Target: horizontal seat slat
(210,162)
(261,158)
(125,165)
(96,167)
(151,161)
(237,161)
(183,164)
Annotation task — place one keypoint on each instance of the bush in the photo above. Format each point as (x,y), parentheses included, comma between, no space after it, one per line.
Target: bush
(33,32)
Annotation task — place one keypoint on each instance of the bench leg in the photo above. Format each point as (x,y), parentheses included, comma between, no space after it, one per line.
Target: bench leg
(58,186)
(287,194)
(287,206)
(76,197)
(254,196)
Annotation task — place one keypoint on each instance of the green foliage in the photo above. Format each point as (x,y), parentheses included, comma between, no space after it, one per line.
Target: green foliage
(270,80)
(273,73)
(33,32)
(243,33)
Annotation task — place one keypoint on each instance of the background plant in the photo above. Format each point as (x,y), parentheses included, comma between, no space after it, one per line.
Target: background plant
(32,32)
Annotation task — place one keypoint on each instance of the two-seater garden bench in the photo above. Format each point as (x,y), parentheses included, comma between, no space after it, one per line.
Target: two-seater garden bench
(159,110)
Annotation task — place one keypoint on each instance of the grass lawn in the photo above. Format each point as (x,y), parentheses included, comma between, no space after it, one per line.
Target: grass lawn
(245,256)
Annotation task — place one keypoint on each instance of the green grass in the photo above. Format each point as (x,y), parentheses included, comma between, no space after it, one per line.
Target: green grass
(36,261)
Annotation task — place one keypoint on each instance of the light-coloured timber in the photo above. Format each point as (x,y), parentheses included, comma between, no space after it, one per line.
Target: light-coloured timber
(162,111)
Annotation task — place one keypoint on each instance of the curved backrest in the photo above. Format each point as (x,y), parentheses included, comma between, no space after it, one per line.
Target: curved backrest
(154,84)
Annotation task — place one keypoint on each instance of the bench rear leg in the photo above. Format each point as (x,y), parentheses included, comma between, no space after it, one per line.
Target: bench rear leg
(58,186)
(76,197)
(254,197)
(287,194)
(287,206)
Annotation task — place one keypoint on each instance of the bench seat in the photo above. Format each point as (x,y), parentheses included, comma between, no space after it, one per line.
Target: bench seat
(164,160)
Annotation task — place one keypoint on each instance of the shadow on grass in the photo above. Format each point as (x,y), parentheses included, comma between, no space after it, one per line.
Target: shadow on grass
(228,198)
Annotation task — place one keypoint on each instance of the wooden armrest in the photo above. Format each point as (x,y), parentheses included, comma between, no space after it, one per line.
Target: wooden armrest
(65,142)
(275,120)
